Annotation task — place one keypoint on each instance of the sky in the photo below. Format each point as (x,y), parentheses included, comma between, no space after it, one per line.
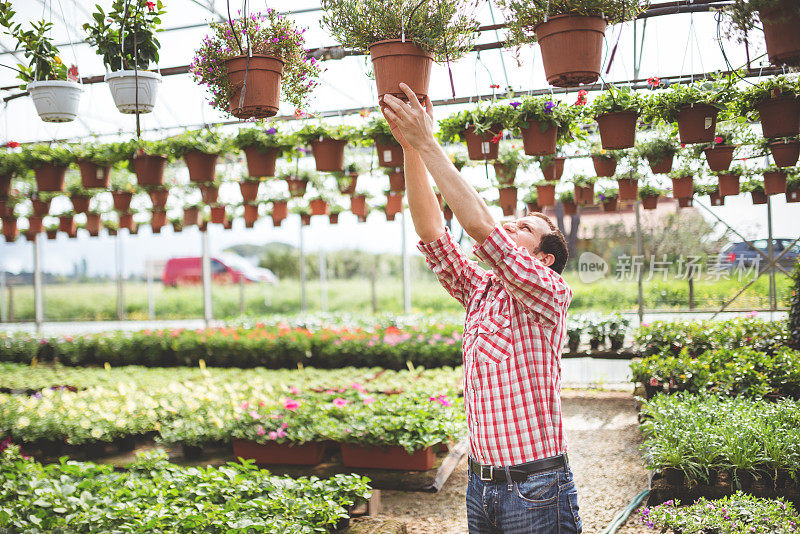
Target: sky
(672,45)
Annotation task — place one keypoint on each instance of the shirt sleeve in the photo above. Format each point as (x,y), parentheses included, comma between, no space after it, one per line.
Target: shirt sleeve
(458,274)
(539,288)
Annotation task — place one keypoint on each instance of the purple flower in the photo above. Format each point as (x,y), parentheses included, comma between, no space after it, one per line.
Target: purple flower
(271,131)
(515,105)
(548,106)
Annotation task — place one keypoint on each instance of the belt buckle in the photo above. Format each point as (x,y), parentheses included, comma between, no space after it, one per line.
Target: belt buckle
(491,473)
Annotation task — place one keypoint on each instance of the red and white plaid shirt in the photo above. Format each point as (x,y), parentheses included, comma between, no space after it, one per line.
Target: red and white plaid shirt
(513,335)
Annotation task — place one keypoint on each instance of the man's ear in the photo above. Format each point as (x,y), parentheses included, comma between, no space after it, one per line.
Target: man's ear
(547,259)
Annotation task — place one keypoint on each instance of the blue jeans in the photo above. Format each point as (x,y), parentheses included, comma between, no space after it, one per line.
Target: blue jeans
(544,503)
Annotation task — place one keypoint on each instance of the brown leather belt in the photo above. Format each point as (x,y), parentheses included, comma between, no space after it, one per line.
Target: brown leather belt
(519,472)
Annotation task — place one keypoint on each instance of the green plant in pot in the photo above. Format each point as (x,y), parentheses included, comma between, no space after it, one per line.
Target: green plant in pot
(649,195)
(480,128)
(616,111)
(200,150)
(659,152)
(605,161)
(754,186)
(720,152)
(11,165)
(49,164)
(78,195)
(779,22)
(403,37)
(543,122)
(95,161)
(262,145)
(531,200)
(52,85)
(266,52)
(729,180)
(774,102)
(584,189)
(327,143)
(570,33)
(694,107)
(509,160)
(125,37)
(567,200)
(390,153)
(683,182)
(609,198)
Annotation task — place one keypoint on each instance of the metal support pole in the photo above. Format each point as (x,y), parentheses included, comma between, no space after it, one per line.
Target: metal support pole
(120,289)
(640,253)
(323,280)
(3,309)
(208,311)
(302,272)
(38,310)
(151,305)
(773,297)
(406,273)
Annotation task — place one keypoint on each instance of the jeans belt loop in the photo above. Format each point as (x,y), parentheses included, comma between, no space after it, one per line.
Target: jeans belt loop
(491,473)
(508,479)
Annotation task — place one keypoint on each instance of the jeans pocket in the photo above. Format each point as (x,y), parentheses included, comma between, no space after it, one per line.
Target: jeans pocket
(572,500)
(538,491)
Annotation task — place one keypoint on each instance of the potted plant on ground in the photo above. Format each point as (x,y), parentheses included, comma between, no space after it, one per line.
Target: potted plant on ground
(616,111)
(775,102)
(403,38)
(682,182)
(542,122)
(327,143)
(659,151)
(49,165)
(95,161)
(200,150)
(584,189)
(608,198)
(780,20)
(248,62)
(262,146)
(125,37)
(694,107)
(567,199)
(604,161)
(53,87)
(481,129)
(570,34)
(649,195)
(390,153)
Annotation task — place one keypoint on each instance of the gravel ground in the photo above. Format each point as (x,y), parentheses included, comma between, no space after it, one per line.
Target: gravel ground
(603,440)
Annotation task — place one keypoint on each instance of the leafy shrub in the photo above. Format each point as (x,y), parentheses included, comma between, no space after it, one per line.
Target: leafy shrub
(794,312)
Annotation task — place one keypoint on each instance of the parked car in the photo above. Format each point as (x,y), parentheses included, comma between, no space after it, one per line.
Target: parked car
(225,269)
(741,254)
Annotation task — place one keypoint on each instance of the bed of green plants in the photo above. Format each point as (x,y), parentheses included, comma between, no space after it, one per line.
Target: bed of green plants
(704,435)
(153,495)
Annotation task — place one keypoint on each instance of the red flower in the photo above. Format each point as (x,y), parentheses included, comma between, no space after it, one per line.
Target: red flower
(72,73)
(497,138)
(718,139)
(495,86)
(581,101)
(151,6)
(654,81)
(12,144)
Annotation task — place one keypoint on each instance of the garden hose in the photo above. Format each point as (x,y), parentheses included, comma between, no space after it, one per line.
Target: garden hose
(623,514)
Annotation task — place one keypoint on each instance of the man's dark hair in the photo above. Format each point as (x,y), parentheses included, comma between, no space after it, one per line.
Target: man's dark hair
(553,243)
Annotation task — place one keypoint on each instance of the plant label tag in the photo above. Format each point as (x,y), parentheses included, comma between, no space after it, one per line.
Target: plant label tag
(485,147)
(793,195)
(387,155)
(709,121)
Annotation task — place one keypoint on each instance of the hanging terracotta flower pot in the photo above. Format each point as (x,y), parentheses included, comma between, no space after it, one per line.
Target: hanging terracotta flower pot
(485,146)
(159,197)
(758,197)
(66,224)
(30,236)
(36,224)
(333,218)
(728,184)
(546,194)
(785,153)
(552,171)
(570,207)
(260,97)
(719,157)
(328,154)
(358,205)
(56,100)
(685,202)
(52,233)
(305,219)
(505,174)
(50,177)
(389,155)
(780,24)
(209,193)
(394,203)
(80,203)
(10,230)
(249,190)
(628,188)
(202,225)
(508,200)
(191,216)
(297,187)
(683,187)
(603,166)
(41,208)
(661,166)
(93,224)
(318,206)
(5,185)
(5,209)
(280,209)
(122,200)
(218,214)
(347,183)
(126,221)
(260,164)
(697,124)
(716,199)
(93,176)
(538,142)
(250,215)
(774,182)
(650,202)
(584,194)
(202,167)
(150,169)
(618,129)
(134,91)
(158,219)
(780,117)
(177,226)
(533,207)
(390,457)
(397,181)
(395,61)
(572,49)
(276,221)
(610,205)
(227,223)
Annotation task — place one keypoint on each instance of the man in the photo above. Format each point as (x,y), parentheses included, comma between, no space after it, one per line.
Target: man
(519,476)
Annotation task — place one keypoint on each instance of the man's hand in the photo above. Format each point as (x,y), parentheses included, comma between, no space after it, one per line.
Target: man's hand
(411,124)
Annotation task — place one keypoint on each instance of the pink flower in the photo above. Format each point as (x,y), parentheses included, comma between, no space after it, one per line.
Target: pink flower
(253,414)
(358,387)
(338,401)
(260,430)
(369,400)
(718,140)
(273,435)
(280,433)
(291,404)
(752,314)
(293,390)
(245,405)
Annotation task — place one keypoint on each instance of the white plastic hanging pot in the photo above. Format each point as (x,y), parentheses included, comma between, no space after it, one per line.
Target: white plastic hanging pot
(55,100)
(123,89)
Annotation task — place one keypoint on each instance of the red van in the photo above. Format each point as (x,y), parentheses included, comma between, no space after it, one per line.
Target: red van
(224,270)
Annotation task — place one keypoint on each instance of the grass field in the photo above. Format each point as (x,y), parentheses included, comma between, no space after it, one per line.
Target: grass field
(97,301)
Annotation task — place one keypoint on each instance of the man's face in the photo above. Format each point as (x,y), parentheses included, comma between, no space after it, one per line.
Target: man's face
(527,232)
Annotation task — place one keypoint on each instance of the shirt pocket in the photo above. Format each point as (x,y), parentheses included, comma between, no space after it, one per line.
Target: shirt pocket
(493,343)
